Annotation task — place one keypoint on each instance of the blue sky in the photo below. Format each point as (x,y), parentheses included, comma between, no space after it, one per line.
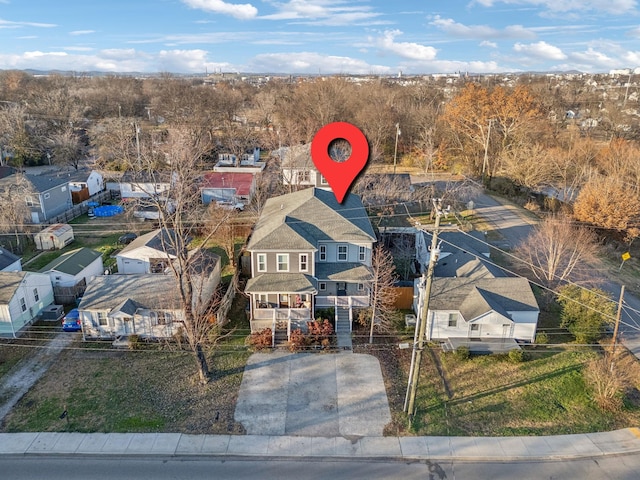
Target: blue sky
(320,36)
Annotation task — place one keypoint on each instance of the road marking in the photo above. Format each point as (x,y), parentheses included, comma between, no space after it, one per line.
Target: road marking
(635,431)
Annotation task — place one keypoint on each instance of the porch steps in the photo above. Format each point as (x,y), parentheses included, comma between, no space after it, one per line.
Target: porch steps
(343,329)
(280,336)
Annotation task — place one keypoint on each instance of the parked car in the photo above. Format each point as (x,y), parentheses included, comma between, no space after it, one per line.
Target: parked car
(127,238)
(71,321)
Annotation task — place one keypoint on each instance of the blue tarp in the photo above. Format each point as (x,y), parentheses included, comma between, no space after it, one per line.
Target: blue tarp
(108,210)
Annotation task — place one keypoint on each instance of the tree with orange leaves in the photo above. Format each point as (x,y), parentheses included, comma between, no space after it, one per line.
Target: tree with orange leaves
(477,114)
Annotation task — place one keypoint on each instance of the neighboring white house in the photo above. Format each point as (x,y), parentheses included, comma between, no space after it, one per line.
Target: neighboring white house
(78,266)
(145,185)
(91,180)
(23,295)
(120,305)
(298,169)
(494,310)
(145,305)
(149,253)
(9,262)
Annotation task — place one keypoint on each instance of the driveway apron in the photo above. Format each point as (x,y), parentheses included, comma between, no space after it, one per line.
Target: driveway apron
(312,394)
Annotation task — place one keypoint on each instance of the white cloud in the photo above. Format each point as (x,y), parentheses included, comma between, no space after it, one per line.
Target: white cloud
(322,12)
(460,30)
(243,11)
(312,63)
(616,7)
(10,24)
(82,32)
(594,58)
(409,50)
(487,43)
(540,50)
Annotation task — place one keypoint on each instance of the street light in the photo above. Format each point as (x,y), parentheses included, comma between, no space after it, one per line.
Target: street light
(395,151)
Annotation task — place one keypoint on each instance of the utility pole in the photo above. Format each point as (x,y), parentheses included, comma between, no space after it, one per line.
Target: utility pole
(135,125)
(486,148)
(617,325)
(421,323)
(395,150)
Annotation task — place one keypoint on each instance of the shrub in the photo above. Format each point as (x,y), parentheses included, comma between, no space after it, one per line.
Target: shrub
(319,333)
(261,339)
(297,340)
(516,355)
(606,383)
(462,352)
(542,338)
(134,342)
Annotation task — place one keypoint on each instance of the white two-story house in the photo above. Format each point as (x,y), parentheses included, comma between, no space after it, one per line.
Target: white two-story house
(308,252)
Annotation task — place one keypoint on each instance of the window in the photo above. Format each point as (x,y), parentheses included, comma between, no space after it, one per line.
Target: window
(361,287)
(102,319)
(323,181)
(453,320)
(475,327)
(63,189)
(133,187)
(322,286)
(304,262)
(23,305)
(36,297)
(362,253)
(160,318)
(29,201)
(323,253)
(342,253)
(283,262)
(47,195)
(262,262)
(304,176)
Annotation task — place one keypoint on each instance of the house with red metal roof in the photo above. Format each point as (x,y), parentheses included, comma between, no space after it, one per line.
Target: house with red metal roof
(227,187)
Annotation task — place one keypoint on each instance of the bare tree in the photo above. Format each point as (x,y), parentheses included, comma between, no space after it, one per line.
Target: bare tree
(180,212)
(382,292)
(556,252)
(14,212)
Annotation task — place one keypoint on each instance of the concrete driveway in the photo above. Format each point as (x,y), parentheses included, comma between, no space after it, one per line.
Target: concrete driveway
(313,394)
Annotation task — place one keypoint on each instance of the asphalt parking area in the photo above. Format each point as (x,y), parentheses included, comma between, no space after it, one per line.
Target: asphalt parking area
(313,394)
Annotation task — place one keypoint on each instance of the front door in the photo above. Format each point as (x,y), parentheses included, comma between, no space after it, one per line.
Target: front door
(474,330)
(341,289)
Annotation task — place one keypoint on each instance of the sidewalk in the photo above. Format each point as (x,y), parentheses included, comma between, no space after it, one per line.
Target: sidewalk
(619,442)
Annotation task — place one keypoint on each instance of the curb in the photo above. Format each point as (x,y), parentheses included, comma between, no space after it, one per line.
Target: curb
(466,449)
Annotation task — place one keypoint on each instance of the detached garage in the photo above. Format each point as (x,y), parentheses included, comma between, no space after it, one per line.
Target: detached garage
(54,237)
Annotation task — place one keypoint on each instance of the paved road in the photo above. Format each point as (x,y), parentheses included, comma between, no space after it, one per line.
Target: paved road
(514,225)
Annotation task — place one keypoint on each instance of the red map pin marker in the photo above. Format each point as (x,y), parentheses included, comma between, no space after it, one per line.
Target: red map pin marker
(339,175)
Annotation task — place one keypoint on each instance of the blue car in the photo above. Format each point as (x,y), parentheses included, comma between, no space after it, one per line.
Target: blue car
(71,321)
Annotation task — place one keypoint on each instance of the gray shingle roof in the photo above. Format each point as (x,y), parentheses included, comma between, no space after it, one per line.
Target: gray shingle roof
(281,283)
(111,292)
(299,220)
(473,297)
(343,272)
(45,182)
(160,239)
(72,262)
(9,283)
(467,256)
(6,258)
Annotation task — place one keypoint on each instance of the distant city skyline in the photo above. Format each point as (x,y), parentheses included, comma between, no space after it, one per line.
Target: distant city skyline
(320,36)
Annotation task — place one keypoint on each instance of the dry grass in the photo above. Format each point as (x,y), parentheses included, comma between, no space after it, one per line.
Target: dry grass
(147,390)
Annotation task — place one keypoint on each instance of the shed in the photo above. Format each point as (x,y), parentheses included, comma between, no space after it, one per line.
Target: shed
(54,237)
